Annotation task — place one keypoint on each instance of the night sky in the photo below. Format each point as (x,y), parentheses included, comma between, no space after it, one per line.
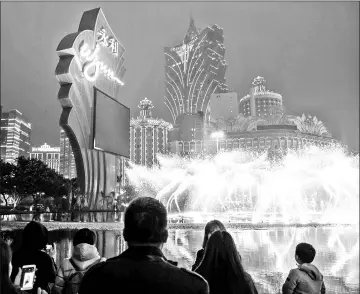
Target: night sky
(308,52)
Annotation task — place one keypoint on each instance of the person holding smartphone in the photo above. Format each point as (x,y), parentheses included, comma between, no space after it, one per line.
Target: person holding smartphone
(6,286)
(32,252)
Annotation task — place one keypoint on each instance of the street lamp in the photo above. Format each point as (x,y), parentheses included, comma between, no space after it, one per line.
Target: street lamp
(217,135)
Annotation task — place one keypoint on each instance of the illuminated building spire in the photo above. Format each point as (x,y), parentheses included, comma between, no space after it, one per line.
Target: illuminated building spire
(259,84)
(145,106)
(192,31)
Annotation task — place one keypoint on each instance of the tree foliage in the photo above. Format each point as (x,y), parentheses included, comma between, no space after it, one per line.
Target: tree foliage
(7,181)
(31,177)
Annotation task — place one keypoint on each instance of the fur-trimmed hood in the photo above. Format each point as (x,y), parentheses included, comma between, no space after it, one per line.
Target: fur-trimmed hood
(85,255)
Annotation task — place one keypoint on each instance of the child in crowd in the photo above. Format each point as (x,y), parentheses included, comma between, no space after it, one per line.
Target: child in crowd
(84,256)
(306,278)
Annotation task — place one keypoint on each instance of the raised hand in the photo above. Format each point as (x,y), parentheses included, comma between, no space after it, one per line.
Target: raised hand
(18,278)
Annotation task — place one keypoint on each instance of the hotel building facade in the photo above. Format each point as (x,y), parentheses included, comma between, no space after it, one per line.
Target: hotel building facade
(260,124)
(15,135)
(47,154)
(260,101)
(148,136)
(194,70)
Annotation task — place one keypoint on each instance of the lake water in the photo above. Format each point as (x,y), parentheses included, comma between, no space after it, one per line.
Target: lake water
(267,254)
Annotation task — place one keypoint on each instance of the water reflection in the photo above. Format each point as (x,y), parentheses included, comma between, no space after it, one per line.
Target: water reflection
(268,255)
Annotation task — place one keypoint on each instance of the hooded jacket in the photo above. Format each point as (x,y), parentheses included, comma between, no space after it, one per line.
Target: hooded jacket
(84,256)
(306,279)
(34,240)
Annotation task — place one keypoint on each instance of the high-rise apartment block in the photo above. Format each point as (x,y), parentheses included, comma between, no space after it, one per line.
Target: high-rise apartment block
(194,70)
(67,159)
(148,136)
(15,135)
(47,154)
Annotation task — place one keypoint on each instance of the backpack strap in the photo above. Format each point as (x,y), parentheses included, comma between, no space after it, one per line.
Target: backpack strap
(77,271)
(76,268)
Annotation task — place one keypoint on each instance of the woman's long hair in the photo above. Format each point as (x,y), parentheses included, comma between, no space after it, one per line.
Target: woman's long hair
(221,265)
(212,226)
(6,286)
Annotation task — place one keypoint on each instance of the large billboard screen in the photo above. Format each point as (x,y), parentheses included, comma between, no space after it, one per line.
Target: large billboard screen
(111,125)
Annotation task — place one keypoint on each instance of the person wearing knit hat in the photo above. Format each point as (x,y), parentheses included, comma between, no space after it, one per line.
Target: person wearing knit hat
(84,236)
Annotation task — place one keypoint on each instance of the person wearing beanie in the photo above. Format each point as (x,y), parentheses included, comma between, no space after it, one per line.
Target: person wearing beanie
(84,256)
(32,251)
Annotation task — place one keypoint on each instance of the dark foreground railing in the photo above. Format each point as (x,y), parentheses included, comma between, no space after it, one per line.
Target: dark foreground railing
(8,212)
(73,216)
(63,216)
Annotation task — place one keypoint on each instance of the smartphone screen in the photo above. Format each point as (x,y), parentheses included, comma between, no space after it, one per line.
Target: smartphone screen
(27,277)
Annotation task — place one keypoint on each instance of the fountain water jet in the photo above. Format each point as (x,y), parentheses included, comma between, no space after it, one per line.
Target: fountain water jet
(311,185)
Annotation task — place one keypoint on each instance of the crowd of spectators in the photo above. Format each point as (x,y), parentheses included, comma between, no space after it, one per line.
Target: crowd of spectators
(142,267)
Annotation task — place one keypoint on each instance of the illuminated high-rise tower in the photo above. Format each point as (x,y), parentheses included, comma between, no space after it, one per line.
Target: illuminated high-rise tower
(67,159)
(15,135)
(194,70)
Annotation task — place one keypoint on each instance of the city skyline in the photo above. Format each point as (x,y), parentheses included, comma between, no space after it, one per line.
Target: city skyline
(308,52)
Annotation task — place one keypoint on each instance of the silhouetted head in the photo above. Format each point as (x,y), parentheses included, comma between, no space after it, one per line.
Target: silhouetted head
(221,248)
(35,236)
(221,265)
(211,227)
(304,253)
(84,236)
(145,222)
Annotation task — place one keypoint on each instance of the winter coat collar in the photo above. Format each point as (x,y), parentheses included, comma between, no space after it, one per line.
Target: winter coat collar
(142,251)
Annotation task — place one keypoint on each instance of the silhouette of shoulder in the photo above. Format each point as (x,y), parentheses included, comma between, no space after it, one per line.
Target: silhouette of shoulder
(137,274)
(192,278)
(192,274)
(97,266)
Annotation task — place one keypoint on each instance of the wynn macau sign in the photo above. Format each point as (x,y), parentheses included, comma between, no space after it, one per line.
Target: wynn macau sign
(91,61)
(91,58)
(96,55)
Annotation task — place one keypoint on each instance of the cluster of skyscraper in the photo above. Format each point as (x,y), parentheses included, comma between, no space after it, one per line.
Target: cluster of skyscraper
(15,141)
(200,105)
